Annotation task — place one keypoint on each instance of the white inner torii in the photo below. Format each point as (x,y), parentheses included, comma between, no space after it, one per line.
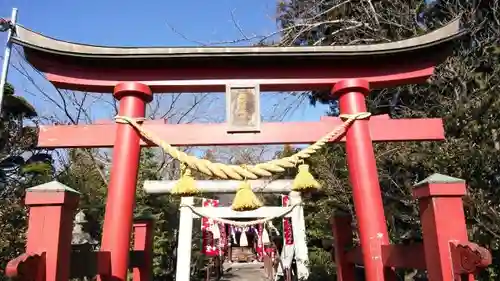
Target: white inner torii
(299,250)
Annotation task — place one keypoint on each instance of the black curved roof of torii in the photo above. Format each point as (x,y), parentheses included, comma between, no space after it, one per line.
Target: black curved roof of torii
(34,42)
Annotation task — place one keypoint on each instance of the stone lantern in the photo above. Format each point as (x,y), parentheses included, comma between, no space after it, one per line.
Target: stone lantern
(81,239)
(83,250)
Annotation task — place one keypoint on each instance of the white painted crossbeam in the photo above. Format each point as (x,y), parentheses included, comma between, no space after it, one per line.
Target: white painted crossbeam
(226,212)
(221,186)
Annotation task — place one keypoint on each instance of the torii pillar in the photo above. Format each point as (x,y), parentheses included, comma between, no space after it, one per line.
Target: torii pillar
(120,204)
(363,176)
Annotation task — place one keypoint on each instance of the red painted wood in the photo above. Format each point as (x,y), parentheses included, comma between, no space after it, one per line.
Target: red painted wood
(93,78)
(27,266)
(49,230)
(125,89)
(343,239)
(394,256)
(122,183)
(469,258)
(397,256)
(143,241)
(363,176)
(440,189)
(443,221)
(103,134)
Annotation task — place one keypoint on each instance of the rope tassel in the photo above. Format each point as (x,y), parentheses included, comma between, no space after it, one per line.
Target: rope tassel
(304,180)
(186,186)
(245,199)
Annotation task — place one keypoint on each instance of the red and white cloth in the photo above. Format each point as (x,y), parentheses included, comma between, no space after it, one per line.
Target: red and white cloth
(288,247)
(214,236)
(260,243)
(208,243)
(287,222)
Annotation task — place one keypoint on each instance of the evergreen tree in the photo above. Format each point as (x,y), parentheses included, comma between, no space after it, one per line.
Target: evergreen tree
(21,167)
(463,91)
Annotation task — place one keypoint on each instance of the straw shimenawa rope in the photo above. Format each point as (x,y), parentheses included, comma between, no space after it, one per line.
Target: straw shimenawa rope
(235,172)
(285,211)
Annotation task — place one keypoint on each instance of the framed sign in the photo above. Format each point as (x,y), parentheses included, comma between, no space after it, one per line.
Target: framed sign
(243,109)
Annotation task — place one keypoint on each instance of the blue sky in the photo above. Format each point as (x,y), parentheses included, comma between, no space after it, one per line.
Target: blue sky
(143,23)
(139,23)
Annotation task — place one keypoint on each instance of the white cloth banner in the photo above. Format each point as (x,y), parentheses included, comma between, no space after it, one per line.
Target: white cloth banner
(215,230)
(265,236)
(243,239)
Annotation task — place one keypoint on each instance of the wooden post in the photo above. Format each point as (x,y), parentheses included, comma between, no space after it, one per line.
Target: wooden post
(143,242)
(364,180)
(52,207)
(183,270)
(443,221)
(343,238)
(119,214)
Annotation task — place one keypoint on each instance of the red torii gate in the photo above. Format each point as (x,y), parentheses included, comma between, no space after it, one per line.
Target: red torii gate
(133,74)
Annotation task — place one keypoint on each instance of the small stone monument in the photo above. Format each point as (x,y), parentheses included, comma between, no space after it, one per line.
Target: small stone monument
(81,239)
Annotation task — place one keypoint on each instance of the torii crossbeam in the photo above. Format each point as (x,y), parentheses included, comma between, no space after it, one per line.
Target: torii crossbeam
(382,128)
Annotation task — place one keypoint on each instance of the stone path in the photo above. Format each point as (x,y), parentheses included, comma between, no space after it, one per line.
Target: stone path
(244,272)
